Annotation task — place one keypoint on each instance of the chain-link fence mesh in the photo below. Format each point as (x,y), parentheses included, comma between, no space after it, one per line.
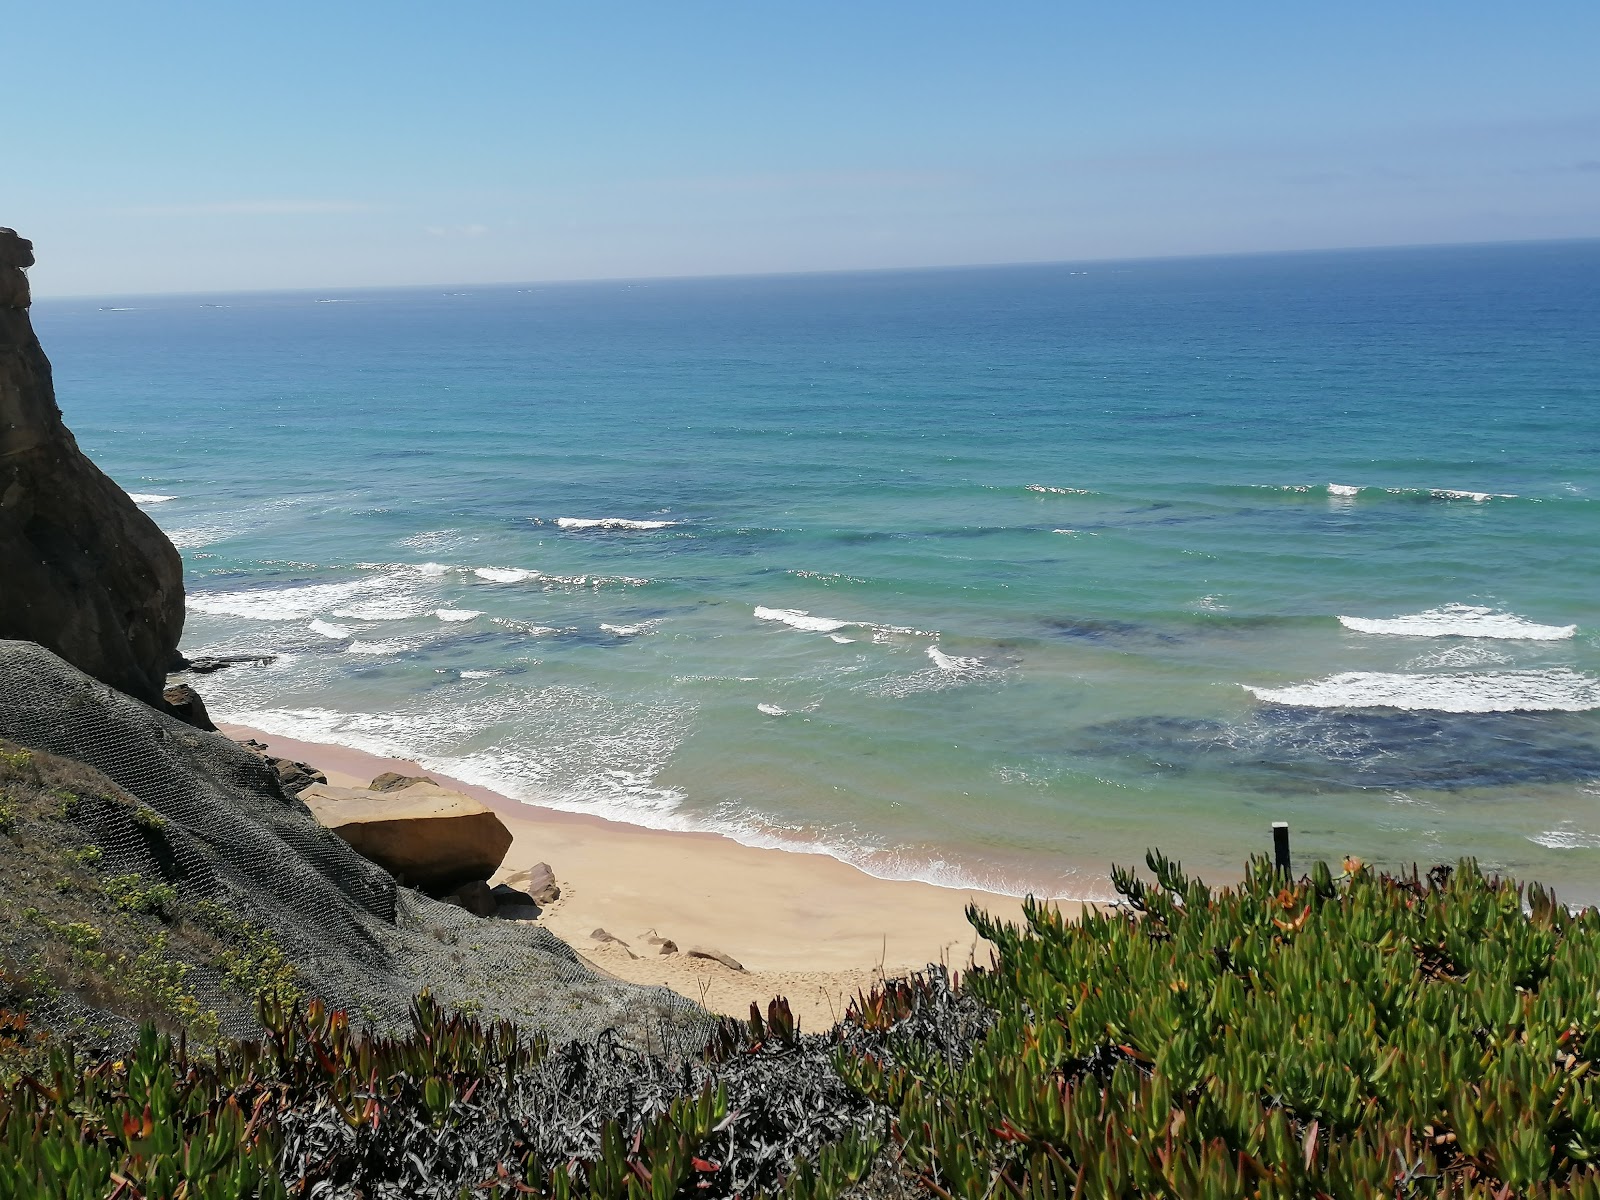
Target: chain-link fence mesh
(227,834)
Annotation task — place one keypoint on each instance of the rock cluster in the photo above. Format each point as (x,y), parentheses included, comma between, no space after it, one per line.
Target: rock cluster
(87,574)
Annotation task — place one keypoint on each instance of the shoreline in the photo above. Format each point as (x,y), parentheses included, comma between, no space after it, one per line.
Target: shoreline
(806,926)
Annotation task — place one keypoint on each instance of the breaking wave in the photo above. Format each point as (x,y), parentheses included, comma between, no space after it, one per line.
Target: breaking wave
(1351,491)
(329,630)
(798,618)
(1460,620)
(1555,690)
(609,523)
(145,498)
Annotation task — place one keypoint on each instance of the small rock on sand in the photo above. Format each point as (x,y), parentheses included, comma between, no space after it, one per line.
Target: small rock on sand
(393,781)
(726,960)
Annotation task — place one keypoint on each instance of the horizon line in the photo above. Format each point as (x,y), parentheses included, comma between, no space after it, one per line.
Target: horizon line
(822,271)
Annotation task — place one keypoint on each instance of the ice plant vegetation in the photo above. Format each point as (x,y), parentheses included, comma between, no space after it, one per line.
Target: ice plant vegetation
(1365,1035)
(1358,1035)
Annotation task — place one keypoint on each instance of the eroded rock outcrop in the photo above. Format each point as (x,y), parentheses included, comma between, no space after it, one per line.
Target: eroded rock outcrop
(86,573)
(425,835)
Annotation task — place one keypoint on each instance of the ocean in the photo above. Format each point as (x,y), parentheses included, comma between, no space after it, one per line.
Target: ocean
(988,577)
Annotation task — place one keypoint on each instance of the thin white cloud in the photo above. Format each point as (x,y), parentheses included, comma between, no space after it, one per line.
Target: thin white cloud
(247,208)
(456,231)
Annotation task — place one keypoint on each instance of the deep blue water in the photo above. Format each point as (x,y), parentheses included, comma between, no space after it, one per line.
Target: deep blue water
(995,575)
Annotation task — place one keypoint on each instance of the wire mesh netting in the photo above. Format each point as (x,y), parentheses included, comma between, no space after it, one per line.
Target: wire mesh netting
(225,832)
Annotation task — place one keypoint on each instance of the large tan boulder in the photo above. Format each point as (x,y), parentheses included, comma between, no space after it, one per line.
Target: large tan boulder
(83,572)
(424,835)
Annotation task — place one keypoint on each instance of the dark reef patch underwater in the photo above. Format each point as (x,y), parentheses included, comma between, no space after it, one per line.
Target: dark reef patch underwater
(1280,747)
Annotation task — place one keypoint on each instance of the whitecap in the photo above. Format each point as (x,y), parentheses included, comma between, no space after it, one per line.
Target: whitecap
(840,638)
(1058,491)
(329,630)
(457,614)
(504,574)
(1461,620)
(609,523)
(800,619)
(772,710)
(1342,489)
(145,498)
(1556,690)
(479,674)
(951,662)
(432,569)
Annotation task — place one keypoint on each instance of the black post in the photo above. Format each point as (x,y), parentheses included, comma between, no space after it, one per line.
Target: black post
(1280,846)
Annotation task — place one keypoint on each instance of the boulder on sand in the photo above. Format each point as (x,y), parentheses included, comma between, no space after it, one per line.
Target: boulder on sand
(538,882)
(424,835)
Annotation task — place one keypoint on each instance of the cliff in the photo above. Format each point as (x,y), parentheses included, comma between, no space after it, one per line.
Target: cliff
(86,573)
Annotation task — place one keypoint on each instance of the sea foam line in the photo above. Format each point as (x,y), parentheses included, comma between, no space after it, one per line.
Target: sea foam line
(1460,620)
(631,797)
(1556,690)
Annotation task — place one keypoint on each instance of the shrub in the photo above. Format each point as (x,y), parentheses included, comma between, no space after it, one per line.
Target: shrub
(1369,1035)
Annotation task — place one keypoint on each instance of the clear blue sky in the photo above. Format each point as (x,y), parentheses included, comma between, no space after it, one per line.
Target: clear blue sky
(195,146)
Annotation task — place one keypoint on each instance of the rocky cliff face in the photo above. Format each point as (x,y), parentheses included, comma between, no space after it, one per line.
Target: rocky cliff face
(83,571)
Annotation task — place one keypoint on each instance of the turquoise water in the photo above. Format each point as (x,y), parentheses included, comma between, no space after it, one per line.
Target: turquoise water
(990,576)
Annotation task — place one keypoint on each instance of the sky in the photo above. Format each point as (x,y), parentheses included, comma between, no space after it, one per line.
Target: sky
(178,147)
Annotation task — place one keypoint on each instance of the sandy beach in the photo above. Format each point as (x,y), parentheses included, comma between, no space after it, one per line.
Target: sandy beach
(804,926)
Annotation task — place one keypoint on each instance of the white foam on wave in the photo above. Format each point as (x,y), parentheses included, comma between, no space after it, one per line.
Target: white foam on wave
(296,603)
(1349,491)
(1565,837)
(840,638)
(504,574)
(951,662)
(432,569)
(1058,491)
(479,674)
(1480,653)
(1461,620)
(525,627)
(772,710)
(392,646)
(457,614)
(1555,690)
(146,498)
(802,619)
(1457,494)
(626,631)
(609,523)
(799,618)
(200,535)
(329,630)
